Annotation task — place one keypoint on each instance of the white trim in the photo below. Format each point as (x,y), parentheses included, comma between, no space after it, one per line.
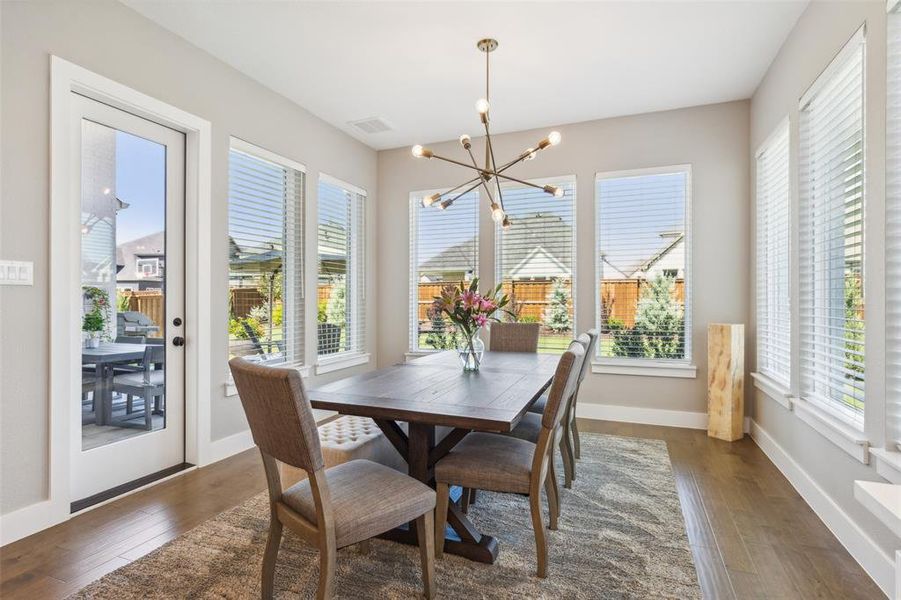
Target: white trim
(329,364)
(26,521)
(883,500)
(66,78)
(888,464)
(408,356)
(229,446)
(774,389)
(851,440)
(326,178)
(837,62)
(779,130)
(246,147)
(645,416)
(878,565)
(648,368)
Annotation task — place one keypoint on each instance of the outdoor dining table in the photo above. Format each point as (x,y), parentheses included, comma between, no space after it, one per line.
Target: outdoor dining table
(104,358)
(434,391)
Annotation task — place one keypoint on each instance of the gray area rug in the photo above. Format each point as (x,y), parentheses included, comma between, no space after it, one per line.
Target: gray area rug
(621,535)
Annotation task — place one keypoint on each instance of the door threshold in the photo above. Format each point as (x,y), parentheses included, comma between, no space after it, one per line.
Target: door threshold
(128,488)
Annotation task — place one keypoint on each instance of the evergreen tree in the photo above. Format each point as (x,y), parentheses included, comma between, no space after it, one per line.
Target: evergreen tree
(660,319)
(336,308)
(854,326)
(556,315)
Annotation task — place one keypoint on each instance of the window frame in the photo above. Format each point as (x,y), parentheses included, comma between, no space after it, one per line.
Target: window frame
(328,363)
(655,367)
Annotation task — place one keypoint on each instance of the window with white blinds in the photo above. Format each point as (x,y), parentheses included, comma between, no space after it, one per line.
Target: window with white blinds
(341,299)
(643,257)
(832,233)
(534,259)
(893,224)
(773,247)
(265,256)
(444,250)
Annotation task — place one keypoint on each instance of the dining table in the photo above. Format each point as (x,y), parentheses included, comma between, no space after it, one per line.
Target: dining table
(431,394)
(104,358)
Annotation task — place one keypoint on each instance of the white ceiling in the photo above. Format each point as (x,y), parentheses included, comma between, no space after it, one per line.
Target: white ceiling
(416,65)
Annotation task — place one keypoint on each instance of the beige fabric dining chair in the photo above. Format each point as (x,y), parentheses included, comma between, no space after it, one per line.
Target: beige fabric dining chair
(487,461)
(333,507)
(513,337)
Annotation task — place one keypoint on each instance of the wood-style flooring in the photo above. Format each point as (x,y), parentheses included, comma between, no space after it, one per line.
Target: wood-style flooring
(751,534)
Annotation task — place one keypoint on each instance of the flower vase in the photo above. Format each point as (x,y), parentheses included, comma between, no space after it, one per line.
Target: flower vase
(470,349)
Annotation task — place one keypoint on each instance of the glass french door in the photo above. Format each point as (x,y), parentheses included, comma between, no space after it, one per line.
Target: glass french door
(129,424)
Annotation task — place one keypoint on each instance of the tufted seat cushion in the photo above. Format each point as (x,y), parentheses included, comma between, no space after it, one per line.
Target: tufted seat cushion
(528,428)
(487,461)
(538,406)
(367,499)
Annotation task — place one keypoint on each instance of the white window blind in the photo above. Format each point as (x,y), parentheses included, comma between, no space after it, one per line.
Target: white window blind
(832,232)
(893,223)
(341,286)
(444,250)
(643,258)
(773,246)
(265,256)
(534,259)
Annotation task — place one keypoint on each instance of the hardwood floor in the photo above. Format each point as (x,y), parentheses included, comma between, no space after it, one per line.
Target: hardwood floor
(751,534)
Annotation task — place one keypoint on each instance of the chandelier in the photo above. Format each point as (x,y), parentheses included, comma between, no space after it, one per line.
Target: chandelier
(490,175)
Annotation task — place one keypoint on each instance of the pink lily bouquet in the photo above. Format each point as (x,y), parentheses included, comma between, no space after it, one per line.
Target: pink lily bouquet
(469,310)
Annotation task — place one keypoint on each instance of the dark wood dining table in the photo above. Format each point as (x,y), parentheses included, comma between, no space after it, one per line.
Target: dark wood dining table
(431,392)
(104,358)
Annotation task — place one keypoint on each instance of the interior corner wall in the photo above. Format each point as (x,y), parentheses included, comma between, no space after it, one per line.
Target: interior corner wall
(112,40)
(713,139)
(818,35)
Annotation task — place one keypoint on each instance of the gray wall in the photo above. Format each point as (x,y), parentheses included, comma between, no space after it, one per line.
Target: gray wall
(714,139)
(114,41)
(819,34)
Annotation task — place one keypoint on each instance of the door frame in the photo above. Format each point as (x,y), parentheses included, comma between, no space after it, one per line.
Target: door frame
(65,268)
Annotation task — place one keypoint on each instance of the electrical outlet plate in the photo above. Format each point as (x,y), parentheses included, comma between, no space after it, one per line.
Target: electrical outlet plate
(16,272)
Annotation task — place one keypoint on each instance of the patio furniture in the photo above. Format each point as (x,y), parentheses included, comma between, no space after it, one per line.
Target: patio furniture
(334,507)
(149,384)
(513,337)
(132,322)
(103,359)
(328,338)
(499,463)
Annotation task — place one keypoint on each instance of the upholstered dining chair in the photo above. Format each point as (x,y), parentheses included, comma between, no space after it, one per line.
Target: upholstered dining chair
(498,463)
(331,508)
(571,448)
(513,337)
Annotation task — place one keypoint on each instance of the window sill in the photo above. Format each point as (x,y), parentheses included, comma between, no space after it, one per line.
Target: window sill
(888,464)
(646,368)
(844,435)
(883,500)
(414,354)
(231,390)
(773,389)
(345,361)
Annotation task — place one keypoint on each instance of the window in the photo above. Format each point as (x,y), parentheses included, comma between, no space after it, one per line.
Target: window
(832,232)
(773,244)
(342,268)
(444,250)
(643,242)
(265,256)
(534,259)
(893,224)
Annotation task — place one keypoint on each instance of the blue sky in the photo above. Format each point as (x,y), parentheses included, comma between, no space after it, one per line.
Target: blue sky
(141,182)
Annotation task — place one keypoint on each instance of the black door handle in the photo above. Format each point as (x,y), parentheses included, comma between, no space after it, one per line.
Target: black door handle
(178,341)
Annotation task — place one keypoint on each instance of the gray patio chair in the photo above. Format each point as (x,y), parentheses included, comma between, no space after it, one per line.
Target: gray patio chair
(149,384)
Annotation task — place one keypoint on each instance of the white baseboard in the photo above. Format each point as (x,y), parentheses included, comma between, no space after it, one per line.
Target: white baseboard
(229,446)
(27,520)
(646,416)
(878,565)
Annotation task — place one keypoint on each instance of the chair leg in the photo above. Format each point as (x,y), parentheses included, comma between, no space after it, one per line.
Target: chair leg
(465,497)
(270,558)
(148,412)
(327,561)
(555,489)
(129,404)
(443,495)
(472,496)
(576,445)
(425,533)
(540,537)
(569,461)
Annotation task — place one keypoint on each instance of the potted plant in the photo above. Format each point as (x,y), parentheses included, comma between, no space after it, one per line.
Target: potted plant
(469,310)
(96,316)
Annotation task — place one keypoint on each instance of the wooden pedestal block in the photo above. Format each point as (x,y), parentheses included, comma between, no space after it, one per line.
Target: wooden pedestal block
(726,381)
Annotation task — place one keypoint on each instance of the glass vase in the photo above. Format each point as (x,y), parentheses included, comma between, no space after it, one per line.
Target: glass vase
(470,349)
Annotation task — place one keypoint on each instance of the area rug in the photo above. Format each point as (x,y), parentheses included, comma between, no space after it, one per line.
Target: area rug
(621,535)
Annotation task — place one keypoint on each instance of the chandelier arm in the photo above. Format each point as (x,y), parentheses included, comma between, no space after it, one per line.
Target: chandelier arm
(483,178)
(523,182)
(454,189)
(463,193)
(500,194)
(462,164)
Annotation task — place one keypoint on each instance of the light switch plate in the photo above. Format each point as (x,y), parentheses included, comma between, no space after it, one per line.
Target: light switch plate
(16,272)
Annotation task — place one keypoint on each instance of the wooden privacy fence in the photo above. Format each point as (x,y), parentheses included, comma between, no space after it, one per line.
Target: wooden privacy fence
(619,298)
(149,302)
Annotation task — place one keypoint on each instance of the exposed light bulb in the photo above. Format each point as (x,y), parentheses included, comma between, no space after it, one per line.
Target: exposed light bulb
(558,193)
(482,106)
(554,138)
(497,213)
(417,151)
(466,141)
(430,200)
(106,191)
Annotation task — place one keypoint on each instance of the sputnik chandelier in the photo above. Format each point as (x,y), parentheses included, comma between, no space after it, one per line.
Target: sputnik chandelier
(489,176)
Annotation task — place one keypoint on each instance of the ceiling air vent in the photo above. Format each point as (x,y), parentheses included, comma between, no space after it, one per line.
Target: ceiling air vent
(372,125)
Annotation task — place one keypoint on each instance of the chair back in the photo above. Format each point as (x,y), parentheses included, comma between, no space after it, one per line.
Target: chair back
(154,357)
(279,413)
(566,378)
(514,337)
(592,338)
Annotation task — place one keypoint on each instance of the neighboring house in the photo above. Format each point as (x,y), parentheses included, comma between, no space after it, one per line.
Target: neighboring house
(141,263)
(668,259)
